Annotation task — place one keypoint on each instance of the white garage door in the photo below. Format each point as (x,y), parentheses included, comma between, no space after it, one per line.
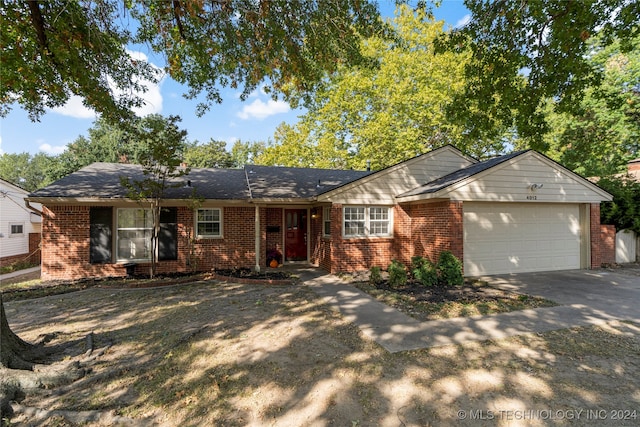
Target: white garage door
(520,237)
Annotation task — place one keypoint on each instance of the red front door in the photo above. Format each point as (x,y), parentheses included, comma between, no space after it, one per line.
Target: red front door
(295,241)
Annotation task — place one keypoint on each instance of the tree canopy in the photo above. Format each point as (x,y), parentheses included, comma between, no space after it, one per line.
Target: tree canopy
(387,114)
(603,132)
(54,49)
(527,52)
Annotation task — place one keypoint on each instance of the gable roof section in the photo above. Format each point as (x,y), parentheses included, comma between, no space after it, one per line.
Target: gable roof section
(513,174)
(270,182)
(459,175)
(14,186)
(389,171)
(102,181)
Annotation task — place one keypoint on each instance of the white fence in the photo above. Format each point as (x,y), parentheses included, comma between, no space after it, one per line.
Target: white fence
(626,246)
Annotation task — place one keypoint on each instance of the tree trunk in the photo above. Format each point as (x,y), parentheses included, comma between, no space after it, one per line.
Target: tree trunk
(14,352)
(19,368)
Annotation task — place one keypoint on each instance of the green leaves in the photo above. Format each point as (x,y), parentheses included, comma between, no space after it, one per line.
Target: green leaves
(385,114)
(54,49)
(624,210)
(525,53)
(603,132)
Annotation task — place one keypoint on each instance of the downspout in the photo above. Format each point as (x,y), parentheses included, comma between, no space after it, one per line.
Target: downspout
(28,205)
(256,223)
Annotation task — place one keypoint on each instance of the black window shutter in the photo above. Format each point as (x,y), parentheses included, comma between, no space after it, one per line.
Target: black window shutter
(100,243)
(168,238)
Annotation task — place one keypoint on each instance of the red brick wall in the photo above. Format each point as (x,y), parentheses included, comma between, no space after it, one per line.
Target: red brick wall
(596,235)
(236,248)
(403,248)
(65,244)
(355,254)
(437,227)
(423,230)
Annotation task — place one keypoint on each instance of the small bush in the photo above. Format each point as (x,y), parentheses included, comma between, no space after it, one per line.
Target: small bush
(397,274)
(449,269)
(375,276)
(424,271)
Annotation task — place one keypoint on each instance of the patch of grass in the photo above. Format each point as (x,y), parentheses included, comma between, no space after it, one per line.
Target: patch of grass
(20,265)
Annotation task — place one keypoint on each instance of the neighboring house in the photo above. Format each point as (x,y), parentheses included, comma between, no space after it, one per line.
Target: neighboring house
(520,212)
(633,169)
(19,226)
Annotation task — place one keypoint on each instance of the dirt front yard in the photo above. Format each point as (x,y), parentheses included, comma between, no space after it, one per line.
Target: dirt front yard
(214,353)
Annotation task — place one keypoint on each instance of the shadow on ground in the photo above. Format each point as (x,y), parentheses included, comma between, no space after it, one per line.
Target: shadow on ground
(226,354)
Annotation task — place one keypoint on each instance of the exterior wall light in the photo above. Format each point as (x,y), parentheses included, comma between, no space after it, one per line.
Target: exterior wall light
(535,187)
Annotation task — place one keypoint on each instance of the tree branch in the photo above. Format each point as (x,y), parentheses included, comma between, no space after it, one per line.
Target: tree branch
(38,23)
(177,11)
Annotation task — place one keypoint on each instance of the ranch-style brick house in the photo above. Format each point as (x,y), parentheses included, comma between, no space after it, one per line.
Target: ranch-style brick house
(521,212)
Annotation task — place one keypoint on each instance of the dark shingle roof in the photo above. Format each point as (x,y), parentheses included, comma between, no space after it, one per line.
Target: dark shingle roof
(460,174)
(269,182)
(102,180)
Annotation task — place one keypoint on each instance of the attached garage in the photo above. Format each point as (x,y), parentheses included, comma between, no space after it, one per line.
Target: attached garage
(521,212)
(521,237)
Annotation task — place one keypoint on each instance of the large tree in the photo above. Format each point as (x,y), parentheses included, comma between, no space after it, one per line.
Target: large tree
(54,49)
(387,114)
(527,52)
(603,133)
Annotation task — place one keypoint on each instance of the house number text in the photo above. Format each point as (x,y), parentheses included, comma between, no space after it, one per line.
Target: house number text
(532,197)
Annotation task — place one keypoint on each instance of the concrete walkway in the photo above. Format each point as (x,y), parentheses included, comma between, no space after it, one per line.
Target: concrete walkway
(18,273)
(396,331)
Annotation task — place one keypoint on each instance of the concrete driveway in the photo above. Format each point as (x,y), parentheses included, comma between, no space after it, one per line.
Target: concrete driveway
(608,293)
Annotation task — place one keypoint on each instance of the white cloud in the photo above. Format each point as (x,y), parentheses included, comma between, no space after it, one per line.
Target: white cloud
(261,110)
(463,21)
(75,108)
(152,98)
(53,150)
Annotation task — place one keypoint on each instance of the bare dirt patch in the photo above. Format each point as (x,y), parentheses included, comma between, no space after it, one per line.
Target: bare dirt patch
(215,353)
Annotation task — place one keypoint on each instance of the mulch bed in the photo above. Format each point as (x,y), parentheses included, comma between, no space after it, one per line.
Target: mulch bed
(441,293)
(248,276)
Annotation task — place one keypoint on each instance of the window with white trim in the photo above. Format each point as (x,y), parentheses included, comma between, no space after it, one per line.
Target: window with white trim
(367,221)
(209,223)
(326,220)
(16,229)
(133,234)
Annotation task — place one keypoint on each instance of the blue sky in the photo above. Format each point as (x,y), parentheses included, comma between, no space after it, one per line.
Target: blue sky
(252,120)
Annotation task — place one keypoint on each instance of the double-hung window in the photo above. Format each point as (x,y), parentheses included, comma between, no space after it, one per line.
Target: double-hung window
(367,221)
(134,230)
(209,223)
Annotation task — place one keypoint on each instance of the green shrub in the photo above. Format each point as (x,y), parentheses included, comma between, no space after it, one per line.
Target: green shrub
(397,274)
(375,276)
(449,269)
(424,271)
